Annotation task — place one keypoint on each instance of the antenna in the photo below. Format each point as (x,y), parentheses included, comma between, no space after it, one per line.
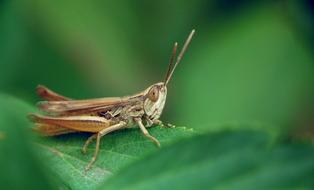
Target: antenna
(172,66)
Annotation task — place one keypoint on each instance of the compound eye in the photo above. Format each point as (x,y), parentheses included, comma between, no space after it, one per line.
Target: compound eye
(153,94)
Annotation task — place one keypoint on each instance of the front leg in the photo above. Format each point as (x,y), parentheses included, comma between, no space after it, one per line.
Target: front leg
(160,123)
(145,132)
(149,122)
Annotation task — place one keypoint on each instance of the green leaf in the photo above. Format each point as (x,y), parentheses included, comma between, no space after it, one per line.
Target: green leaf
(117,149)
(19,165)
(244,159)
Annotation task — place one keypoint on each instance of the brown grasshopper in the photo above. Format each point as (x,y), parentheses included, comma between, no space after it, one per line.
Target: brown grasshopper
(104,115)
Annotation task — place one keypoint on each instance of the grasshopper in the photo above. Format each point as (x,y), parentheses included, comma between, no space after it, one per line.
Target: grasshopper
(104,115)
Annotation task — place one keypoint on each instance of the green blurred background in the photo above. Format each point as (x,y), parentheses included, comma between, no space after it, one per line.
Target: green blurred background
(250,64)
(250,61)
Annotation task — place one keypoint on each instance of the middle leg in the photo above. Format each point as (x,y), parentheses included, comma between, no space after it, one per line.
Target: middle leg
(98,137)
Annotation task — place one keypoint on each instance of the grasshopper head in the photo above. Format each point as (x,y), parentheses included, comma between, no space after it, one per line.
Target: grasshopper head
(155,98)
(155,95)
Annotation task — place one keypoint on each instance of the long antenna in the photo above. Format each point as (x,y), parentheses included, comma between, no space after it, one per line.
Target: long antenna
(183,50)
(172,58)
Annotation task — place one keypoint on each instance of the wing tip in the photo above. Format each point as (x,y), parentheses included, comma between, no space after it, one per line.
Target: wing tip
(41,90)
(47,94)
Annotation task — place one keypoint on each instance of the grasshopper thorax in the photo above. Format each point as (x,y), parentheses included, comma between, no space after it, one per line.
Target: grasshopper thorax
(154,101)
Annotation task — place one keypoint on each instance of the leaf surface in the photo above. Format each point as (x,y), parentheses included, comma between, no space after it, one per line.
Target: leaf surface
(117,149)
(244,159)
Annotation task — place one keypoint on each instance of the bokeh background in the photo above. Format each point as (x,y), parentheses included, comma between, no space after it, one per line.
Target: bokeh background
(250,65)
(251,62)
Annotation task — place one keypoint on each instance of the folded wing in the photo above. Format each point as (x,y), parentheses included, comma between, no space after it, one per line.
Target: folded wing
(60,105)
